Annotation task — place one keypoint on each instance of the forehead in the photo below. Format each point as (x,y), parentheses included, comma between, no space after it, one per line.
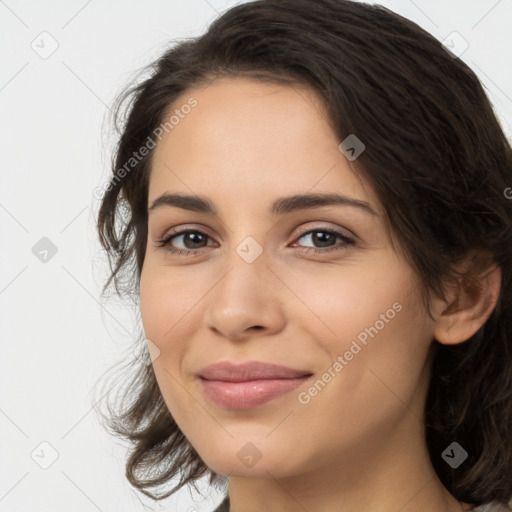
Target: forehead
(253,139)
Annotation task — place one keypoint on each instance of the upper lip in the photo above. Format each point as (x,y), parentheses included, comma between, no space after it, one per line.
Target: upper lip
(252,370)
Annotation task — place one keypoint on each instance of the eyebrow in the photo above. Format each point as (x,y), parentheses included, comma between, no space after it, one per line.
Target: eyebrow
(280,206)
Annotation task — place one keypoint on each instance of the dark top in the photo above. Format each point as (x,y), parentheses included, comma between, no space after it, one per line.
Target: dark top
(223,506)
(489,507)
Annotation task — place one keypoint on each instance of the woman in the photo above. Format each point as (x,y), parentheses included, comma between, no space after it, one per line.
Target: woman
(310,202)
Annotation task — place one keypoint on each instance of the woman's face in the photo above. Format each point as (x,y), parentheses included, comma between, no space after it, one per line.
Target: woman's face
(314,287)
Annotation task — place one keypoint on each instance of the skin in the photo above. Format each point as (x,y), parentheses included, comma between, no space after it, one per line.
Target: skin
(358,444)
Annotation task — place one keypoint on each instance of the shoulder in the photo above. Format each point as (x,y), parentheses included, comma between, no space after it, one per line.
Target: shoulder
(488,507)
(224,506)
(493,506)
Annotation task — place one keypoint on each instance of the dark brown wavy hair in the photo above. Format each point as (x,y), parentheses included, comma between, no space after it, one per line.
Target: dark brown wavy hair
(435,155)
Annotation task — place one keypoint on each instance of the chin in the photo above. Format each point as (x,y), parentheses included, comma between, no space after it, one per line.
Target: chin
(253,460)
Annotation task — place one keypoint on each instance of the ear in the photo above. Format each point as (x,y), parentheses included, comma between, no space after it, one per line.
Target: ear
(470,304)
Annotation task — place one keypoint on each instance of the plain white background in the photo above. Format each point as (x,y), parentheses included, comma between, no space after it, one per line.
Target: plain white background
(57,337)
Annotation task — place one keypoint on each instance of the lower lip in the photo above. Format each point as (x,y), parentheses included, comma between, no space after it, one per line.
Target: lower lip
(248,394)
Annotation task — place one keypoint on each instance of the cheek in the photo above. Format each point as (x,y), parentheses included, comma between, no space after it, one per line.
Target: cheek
(168,297)
(161,311)
(349,302)
(371,327)
(373,387)
(381,371)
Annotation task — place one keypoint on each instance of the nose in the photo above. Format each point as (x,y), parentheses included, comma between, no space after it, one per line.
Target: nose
(246,301)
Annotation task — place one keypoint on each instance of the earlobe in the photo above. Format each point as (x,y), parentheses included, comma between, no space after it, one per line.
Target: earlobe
(469,308)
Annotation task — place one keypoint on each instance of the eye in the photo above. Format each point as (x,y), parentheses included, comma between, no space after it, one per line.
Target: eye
(326,239)
(194,240)
(191,239)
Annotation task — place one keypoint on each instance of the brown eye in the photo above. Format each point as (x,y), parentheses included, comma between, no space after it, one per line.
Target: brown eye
(191,241)
(325,240)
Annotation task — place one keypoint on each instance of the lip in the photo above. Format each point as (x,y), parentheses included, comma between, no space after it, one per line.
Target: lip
(250,384)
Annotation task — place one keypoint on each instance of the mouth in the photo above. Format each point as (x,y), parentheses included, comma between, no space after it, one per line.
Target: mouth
(248,385)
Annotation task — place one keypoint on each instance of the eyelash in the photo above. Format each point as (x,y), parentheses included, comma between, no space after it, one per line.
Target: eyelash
(165,242)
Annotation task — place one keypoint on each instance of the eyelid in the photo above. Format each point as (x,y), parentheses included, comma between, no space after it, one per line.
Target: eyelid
(185,228)
(302,231)
(346,240)
(341,230)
